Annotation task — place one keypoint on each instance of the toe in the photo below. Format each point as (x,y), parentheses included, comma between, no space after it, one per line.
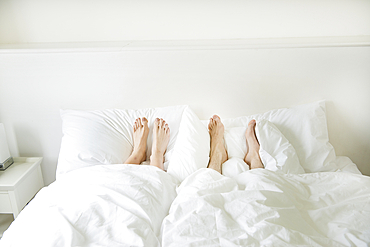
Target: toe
(166,129)
(135,125)
(210,124)
(252,123)
(162,123)
(156,122)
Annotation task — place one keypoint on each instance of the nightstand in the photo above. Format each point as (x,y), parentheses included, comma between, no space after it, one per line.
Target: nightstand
(19,184)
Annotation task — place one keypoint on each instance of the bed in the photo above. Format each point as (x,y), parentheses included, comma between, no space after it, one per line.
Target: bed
(305,196)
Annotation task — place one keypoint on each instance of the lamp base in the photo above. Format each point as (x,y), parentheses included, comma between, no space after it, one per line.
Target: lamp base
(6,164)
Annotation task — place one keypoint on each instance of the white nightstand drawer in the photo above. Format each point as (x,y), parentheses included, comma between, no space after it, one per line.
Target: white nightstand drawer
(19,183)
(27,189)
(5,205)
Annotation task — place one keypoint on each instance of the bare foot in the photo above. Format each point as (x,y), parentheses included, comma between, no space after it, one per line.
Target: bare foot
(252,158)
(218,153)
(140,136)
(161,137)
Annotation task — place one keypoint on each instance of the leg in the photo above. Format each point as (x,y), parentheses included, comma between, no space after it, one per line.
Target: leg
(161,137)
(252,158)
(218,153)
(141,131)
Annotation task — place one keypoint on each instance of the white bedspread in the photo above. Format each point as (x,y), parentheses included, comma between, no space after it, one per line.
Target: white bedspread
(115,205)
(264,208)
(124,205)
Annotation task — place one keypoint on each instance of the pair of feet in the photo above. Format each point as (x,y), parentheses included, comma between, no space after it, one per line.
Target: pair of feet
(161,137)
(218,154)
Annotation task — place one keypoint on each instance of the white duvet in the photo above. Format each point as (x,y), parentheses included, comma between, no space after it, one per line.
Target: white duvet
(265,208)
(131,205)
(115,205)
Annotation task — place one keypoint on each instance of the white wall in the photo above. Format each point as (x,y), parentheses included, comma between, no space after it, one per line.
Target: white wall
(25,21)
(36,83)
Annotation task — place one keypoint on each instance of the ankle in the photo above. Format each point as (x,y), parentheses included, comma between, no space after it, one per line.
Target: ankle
(217,166)
(156,151)
(157,160)
(139,155)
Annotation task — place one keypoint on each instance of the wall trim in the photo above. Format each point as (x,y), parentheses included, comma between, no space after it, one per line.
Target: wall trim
(160,45)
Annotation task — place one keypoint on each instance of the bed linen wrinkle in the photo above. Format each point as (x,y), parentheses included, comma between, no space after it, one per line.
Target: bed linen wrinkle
(338,196)
(94,214)
(98,196)
(111,205)
(273,209)
(353,241)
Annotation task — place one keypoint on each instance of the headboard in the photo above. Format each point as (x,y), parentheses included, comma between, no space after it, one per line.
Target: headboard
(228,77)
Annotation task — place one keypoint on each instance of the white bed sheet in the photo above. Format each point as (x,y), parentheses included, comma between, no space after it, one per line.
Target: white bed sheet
(265,208)
(115,205)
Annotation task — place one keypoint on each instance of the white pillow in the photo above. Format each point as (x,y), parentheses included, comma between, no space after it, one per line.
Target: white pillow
(105,136)
(305,127)
(276,153)
(191,151)
(236,147)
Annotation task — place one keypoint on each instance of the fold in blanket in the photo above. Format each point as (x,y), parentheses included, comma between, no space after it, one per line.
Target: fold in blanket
(115,205)
(264,208)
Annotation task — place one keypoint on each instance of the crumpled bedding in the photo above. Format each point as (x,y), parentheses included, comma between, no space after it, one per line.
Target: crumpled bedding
(265,208)
(115,205)
(131,205)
